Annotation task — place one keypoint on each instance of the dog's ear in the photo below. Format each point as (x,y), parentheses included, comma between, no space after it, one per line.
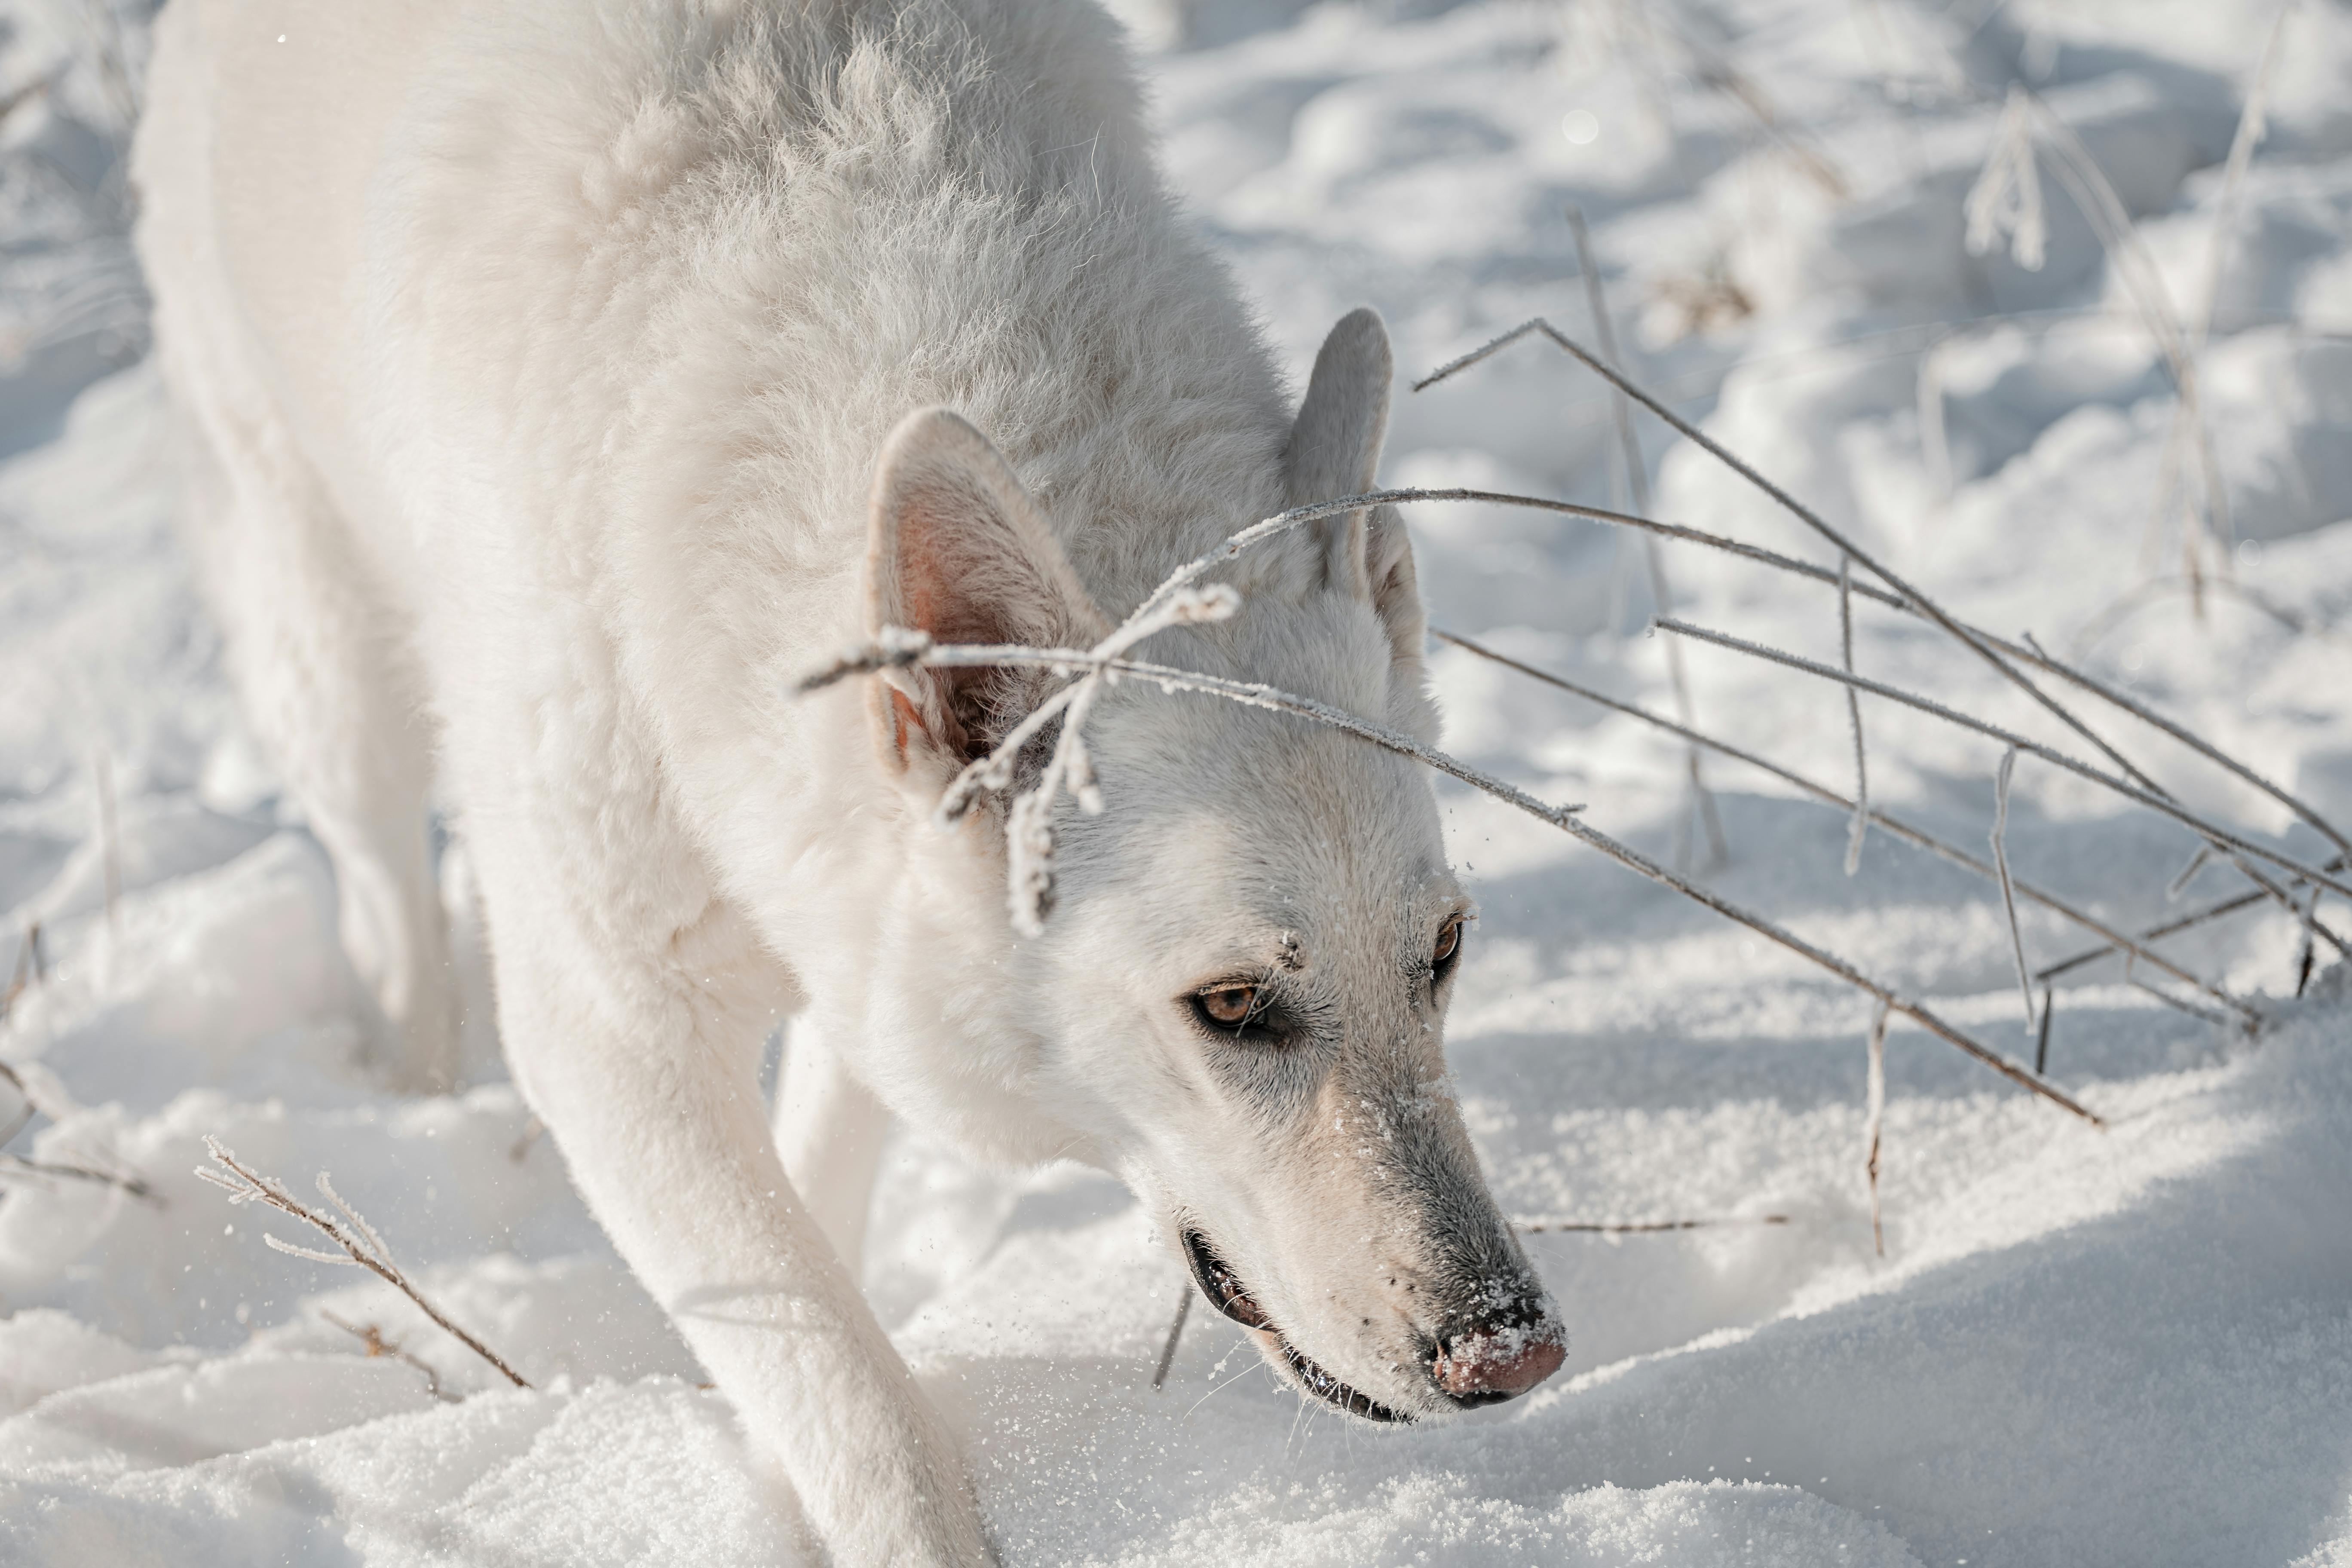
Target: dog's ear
(959,550)
(1334,451)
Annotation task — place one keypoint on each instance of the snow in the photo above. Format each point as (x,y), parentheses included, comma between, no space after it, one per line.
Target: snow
(2128,1346)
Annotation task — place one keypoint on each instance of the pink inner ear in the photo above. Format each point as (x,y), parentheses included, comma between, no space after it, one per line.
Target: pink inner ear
(946,593)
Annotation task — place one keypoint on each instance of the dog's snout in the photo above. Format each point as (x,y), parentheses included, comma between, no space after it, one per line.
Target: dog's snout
(1500,1358)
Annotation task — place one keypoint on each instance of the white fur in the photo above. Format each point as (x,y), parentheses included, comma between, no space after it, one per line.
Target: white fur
(539,355)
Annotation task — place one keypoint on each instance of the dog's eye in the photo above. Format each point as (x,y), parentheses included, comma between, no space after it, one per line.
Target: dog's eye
(1449,943)
(1230,1005)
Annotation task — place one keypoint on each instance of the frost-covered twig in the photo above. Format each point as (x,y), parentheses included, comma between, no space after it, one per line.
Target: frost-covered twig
(2253,125)
(963,656)
(2143,281)
(1561,817)
(1636,1228)
(19,1165)
(1861,824)
(1633,478)
(1919,603)
(30,969)
(1875,1096)
(24,1165)
(377,1345)
(2006,200)
(2000,864)
(110,847)
(2188,873)
(1906,831)
(2213,911)
(2310,936)
(358,1238)
(1175,1332)
(2154,801)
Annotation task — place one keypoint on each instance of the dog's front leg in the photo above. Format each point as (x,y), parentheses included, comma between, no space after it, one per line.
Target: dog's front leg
(650,1088)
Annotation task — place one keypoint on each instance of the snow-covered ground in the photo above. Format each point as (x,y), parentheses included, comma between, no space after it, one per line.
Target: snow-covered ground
(2081,1347)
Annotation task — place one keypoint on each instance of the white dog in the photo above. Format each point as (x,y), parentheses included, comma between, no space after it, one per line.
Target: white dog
(555,370)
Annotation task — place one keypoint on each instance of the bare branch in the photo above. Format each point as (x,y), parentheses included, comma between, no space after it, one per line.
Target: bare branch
(365,1248)
(1639,1227)
(1919,602)
(1904,830)
(1635,485)
(1561,817)
(133,1185)
(2188,873)
(1861,826)
(2157,803)
(2000,864)
(1175,1332)
(1875,1107)
(377,1345)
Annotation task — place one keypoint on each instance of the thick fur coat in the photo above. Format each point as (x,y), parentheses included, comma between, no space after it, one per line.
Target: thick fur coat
(548,367)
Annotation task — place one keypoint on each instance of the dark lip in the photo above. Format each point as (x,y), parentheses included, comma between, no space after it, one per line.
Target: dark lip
(1223,1289)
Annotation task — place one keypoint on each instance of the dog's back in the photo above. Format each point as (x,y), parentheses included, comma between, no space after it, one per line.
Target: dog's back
(514,327)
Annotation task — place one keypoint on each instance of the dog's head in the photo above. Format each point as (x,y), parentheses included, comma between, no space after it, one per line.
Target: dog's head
(1239,999)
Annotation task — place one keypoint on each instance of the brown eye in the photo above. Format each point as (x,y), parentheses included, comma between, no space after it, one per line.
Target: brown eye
(1449,943)
(1230,1004)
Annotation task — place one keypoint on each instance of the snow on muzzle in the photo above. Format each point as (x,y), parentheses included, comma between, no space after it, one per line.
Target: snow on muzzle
(1508,1345)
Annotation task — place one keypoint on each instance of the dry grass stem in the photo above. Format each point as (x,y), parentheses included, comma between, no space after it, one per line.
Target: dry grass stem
(1918,602)
(356,1238)
(1916,836)
(2310,941)
(2041,1035)
(1874,1115)
(2006,200)
(109,839)
(913,648)
(30,970)
(1633,476)
(373,1337)
(2000,864)
(19,1165)
(2187,874)
(58,1169)
(1861,826)
(2162,804)
(1636,1227)
(1175,1332)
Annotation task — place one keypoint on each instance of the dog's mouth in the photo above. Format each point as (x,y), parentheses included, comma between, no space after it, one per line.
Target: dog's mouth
(1223,1289)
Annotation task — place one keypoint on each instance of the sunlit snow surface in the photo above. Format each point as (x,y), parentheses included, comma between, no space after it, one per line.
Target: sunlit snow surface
(2128,1347)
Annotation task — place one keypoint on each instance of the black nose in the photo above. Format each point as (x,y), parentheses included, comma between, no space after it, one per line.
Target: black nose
(1500,1355)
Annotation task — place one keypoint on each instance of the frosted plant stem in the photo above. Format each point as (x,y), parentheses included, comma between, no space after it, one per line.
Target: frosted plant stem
(2000,864)
(1916,836)
(1636,1227)
(2310,933)
(1633,475)
(1860,825)
(2143,282)
(19,1165)
(2157,803)
(895,645)
(1875,1107)
(360,1242)
(371,1336)
(1919,603)
(2187,874)
(2209,912)
(1175,1332)
(109,836)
